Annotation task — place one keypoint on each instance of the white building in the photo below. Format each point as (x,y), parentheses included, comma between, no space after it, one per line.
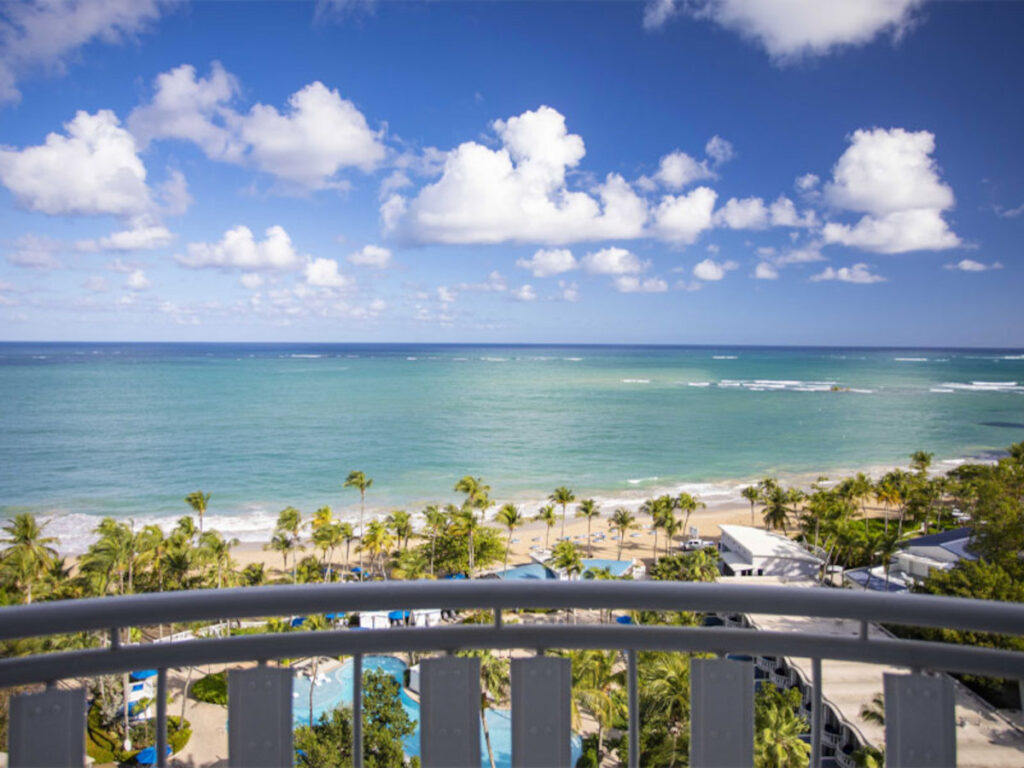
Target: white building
(749,551)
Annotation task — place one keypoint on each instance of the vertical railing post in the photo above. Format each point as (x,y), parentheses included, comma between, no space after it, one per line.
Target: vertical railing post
(161,718)
(816,719)
(115,638)
(634,710)
(357,710)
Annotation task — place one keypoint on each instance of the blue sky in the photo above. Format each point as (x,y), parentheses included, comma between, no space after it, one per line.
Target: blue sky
(718,171)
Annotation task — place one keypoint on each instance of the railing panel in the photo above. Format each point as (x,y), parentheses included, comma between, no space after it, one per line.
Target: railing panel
(260,718)
(721,713)
(541,727)
(47,729)
(919,727)
(450,713)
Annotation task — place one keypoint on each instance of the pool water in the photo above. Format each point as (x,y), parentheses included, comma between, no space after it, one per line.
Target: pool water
(538,571)
(337,691)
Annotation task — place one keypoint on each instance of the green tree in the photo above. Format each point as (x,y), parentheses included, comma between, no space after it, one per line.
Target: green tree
(752,494)
(622,520)
(546,514)
(494,685)
(289,522)
(778,507)
(509,516)
(595,680)
(400,524)
(217,551)
(564,496)
(346,534)
(27,552)
(358,479)
(437,524)
(589,509)
(777,729)
(198,501)
(377,542)
(282,543)
(477,498)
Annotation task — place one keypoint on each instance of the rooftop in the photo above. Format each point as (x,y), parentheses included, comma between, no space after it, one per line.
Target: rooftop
(761,543)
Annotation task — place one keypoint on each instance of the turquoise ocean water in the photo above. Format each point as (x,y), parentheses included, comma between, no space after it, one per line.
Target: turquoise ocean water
(128,430)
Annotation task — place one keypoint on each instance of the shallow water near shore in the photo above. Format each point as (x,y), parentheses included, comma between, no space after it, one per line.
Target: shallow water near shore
(129,429)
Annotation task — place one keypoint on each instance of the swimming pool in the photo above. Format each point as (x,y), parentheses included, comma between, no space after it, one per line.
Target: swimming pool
(337,690)
(538,571)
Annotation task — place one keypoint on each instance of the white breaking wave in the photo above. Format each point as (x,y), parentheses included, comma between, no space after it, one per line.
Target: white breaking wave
(573,359)
(723,357)
(636,381)
(495,359)
(941,390)
(782,385)
(310,357)
(911,359)
(638,480)
(981,386)
(698,383)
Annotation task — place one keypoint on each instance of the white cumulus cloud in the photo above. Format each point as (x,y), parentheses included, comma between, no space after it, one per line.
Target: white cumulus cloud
(789,29)
(137,281)
(238,249)
(371,256)
(549,261)
(753,213)
(517,193)
(892,178)
(807,182)
(612,261)
(568,291)
(681,218)
(858,273)
(34,252)
(136,239)
(43,34)
(711,270)
(765,271)
(970,265)
(719,150)
(523,293)
(92,169)
(323,273)
(632,284)
(306,146)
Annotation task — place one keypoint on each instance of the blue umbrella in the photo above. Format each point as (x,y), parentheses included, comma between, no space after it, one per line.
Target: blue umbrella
(356,569)
(334,616)
(398,615)
(142,674)
(148,756)
(298,621)
(624,619)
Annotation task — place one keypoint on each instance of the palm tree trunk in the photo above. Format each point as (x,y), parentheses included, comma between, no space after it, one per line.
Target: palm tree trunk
(563,521)
(508,546)
(471,553)
(547,537)
(184,697)
(487,735)
(433,544)
(590,544)
(312,687)
(751,514)
(654,554)
(362,530)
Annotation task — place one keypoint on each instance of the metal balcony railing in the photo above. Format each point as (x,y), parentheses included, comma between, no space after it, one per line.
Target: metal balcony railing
(48,728)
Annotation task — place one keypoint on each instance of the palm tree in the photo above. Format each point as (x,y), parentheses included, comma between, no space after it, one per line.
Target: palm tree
(547,515)
(186,528)
(411,564)
(777,509)
(566,557)
(27,552)
(593,680)
(589,509)
(437,523)
(509,516)
(920,461)
(477,497)
(494,685)
(563,496)
(689,504)
(777,742)
(465,523)
(358,479)
(378,542)
(218,551)
(874,712)
(672,528)
(622,520)
(323,516)
(152,546)
(289,521)
(198,501)
(346,534)
(666,685)
(325,538)
(752,494)
(282,542)
(401,524)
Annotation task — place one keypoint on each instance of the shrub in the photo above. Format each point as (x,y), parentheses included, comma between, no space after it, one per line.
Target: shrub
(213,689)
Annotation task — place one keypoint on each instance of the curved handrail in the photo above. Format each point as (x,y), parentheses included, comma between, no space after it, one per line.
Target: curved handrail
(68,616)
(915,654)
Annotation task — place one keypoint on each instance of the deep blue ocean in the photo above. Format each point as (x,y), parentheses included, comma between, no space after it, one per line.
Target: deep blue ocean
(128,430)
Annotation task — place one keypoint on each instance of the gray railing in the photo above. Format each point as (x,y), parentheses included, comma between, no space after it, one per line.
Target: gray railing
(919,706)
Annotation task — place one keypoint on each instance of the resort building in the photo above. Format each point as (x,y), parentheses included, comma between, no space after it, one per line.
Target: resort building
(747,551)
(914,562)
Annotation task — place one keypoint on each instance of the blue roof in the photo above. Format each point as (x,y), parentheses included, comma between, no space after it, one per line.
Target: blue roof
(936,539)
